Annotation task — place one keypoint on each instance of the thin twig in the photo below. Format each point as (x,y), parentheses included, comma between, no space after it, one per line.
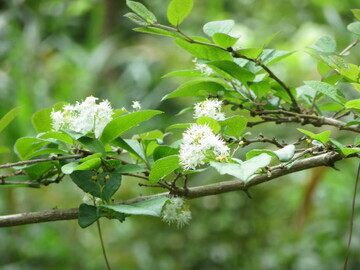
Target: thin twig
(348,48)
(352,217)
(102,245)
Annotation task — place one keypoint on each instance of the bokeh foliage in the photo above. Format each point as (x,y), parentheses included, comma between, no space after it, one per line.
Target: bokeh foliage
(53,50)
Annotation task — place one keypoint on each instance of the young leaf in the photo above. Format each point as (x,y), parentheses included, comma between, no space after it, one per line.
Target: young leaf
(321,137)
(325,44)
(150,207)
(196,88)
(129,146)
(325,89)
(271,56)
(218,27)
(41,120)
(178,10)
(203,52)
(244,170)
(235,125)
(234,70)
(356,13)
(250,52)
(353,104)
(136,19)
(8,117)
(88,214)
(286,153)
(224,40)
(212,123)
(163,167)
(157,31)
(124,123)
(185,73)
(142,11)
(354,28)
(90,164)
(164,151)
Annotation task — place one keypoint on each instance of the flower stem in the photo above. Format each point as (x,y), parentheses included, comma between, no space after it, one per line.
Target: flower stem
(102,245)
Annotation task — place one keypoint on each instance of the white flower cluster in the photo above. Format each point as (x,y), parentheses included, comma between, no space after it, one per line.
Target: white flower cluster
(203,68)
(174,213)
(199,143)
(91,200)
(84,117)
(210,108)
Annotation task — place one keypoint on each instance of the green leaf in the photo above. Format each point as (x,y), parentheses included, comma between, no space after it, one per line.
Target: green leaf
(4,149)
(41,120)
(286,153)
(56,137)
(150,207)
(163,167)
(344,150)
(233,70)
(353,104)
(203,51)
(128,146)
(8,117)
(321,137)
(250,52)
(164,151)
(101,186)
(332,107)
(129,168)
(196,88)
(124,123)
(46,151)
(157,31)
(88,214)
(356,13)
(90,164)
(178,10)
(178,126)
(245,170)
(235,125)
(325,44)
(269,39)
(354,28)
(325,89)
(136,19)
(224,40)
(37,170)
(218,27)
(212,123)
(92,144)
(142,11)
(255,152)
(271,56)
(260,89)
(26,145)
(185,73)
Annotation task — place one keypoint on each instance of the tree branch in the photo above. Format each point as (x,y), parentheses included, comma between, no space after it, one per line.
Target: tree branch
(327,159)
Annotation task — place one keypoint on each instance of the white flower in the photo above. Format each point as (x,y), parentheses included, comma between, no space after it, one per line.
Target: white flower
(84,117)
(210,108)
(136,105)
(91,200)
(174,212)
(203,68)
(200,143)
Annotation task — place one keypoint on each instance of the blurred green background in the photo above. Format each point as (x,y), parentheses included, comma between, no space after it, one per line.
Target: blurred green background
(59,50)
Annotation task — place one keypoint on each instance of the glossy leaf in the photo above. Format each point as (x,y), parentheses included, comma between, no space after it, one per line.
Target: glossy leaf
(325,89)
(88,214)
(8,117)
(163,167)
(142,11)
(212,123)
(164,151)
(41,120)
(354,28)
(157,31)
(150,207)
(321,137)
(203,52)
(233,70)
(124,123)
(92,144)
(353,104)
(136,19)
(196,88)
(250,52)
(178,10)
(235,125)
(214,27)
(224,40)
